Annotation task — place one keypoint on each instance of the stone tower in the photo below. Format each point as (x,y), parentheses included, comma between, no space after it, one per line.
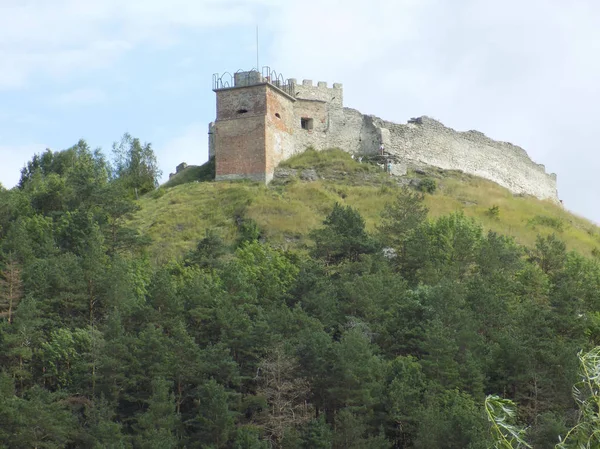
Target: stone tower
(253,129)
(263,119)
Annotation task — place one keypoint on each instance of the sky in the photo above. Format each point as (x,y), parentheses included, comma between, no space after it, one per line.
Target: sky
(525,72)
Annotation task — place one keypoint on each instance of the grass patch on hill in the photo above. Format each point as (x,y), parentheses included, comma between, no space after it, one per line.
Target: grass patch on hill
(200,173)
(178,218)
(521,217)
(329,163)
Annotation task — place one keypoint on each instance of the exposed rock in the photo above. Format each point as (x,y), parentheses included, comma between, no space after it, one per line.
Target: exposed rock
(283,173)
(404,182)
(309,175)
(389,253)
(399,169)
(415,182)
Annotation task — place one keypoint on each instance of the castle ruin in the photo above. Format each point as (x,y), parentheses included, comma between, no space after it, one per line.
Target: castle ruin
(263,119)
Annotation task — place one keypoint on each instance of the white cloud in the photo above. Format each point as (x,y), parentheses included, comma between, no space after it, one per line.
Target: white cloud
(63,37)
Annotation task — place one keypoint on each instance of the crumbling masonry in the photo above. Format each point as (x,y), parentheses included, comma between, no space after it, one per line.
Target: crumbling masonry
(263,119)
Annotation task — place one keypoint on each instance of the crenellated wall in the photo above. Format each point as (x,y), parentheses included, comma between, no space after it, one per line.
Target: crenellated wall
(334,96)
(277,123)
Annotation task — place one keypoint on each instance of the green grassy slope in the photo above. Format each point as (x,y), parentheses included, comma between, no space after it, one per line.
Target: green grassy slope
(178,216)
(193,173)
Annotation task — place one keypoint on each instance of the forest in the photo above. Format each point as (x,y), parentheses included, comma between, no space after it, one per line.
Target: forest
(390,338)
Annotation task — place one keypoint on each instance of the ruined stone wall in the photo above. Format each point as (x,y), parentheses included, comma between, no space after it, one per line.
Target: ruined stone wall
(425,141)
(318,136)
(342,128)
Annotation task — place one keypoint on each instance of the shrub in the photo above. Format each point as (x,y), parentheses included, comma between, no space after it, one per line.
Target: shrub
(158,193)
(248,230)
(493,212)
(544,220)
(428,185)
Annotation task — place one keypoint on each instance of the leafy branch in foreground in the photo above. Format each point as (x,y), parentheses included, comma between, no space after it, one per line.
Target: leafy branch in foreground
(585,435)
(501,414)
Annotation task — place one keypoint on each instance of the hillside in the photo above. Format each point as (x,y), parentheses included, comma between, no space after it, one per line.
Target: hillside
(290,316)
(306,187)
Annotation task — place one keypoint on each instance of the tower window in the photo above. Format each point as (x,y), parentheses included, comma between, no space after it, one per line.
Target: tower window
(277,115)
(242,111)
(306,123)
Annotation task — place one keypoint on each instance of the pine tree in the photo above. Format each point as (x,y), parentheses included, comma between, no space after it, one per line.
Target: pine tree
(11,288)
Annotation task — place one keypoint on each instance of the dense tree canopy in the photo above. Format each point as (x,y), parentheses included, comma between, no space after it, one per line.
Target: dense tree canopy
(376,340)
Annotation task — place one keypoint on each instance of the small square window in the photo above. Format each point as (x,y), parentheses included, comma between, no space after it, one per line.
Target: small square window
(306,123)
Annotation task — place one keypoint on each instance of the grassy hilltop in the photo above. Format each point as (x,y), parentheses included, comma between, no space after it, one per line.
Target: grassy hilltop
(179,213)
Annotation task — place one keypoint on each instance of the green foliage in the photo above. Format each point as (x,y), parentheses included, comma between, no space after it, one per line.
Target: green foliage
(64,356)
(156,427)
(327,162)
(317,435)
(549,253)
(37,420)
(233,331)
(543,220)
(343,236)
(208,251)
(401,218)
(444,248)
(102,430)
(135,165)
(452,420)
(214,422)
(158,193)
(286,214)
(248,437)
(405,386)
(248,231)
(586,393)
(501,415)
(494,211)
(428,185)
(266,271)
(501,412)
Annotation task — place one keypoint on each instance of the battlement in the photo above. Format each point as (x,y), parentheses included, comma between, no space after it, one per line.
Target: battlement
(305,91)
(321,92)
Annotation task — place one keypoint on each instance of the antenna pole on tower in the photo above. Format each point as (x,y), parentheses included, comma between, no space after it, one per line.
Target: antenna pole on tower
(257,66)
